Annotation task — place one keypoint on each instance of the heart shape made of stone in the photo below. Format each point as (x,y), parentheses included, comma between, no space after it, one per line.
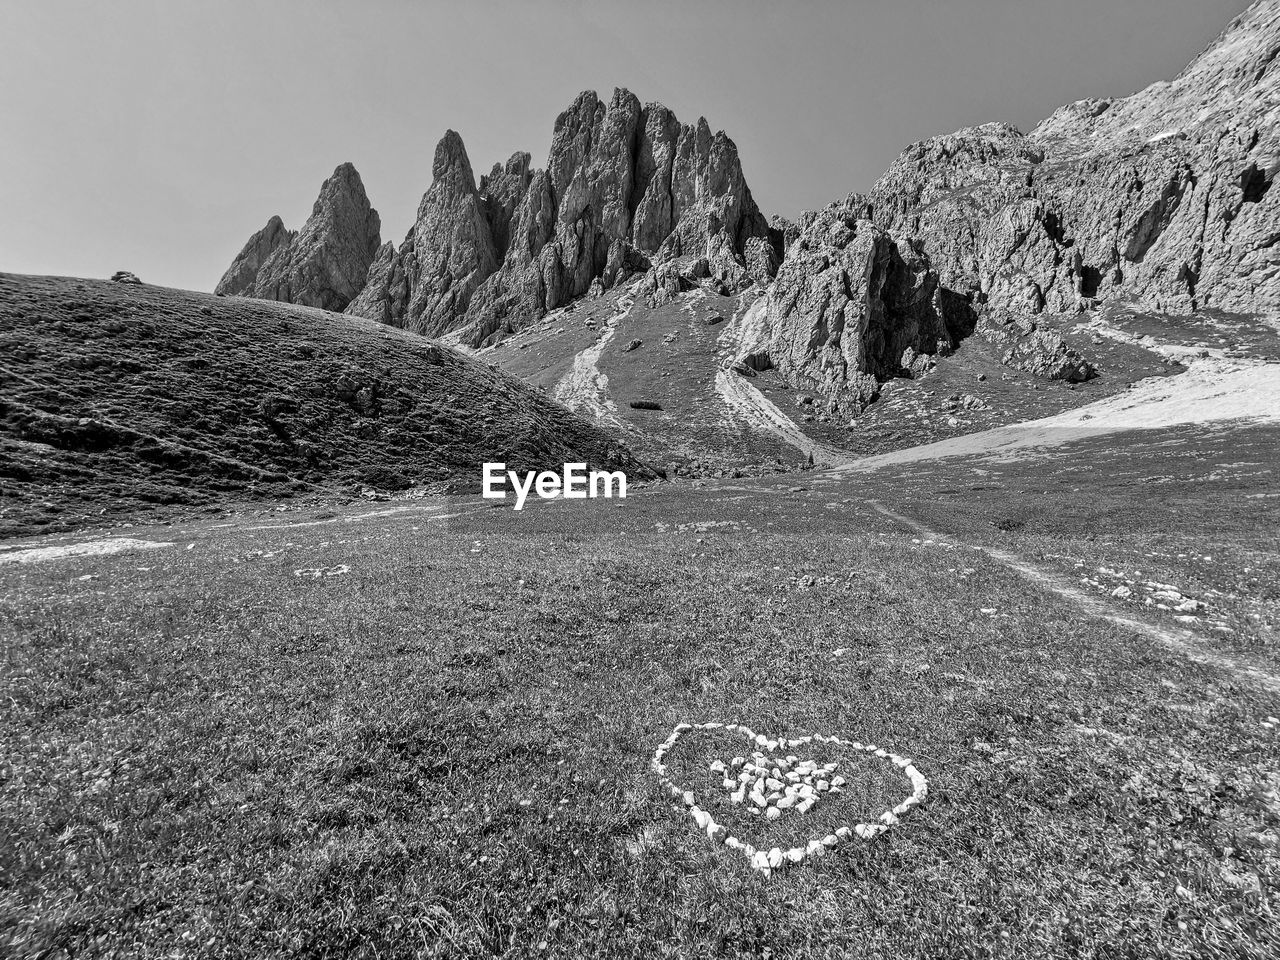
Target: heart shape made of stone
(763,783)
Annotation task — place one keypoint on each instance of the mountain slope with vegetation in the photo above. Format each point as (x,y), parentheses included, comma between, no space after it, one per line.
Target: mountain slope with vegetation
(121,398)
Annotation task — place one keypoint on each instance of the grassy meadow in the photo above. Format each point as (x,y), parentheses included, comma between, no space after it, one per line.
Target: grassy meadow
(435,740)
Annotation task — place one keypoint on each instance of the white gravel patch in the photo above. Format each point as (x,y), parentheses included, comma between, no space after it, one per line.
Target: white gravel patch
(89,548)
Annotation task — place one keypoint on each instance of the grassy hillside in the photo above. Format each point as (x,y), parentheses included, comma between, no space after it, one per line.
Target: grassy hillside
(118,398)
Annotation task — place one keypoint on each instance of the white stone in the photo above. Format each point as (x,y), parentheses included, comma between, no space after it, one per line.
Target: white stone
(795,854)
(775,858)
(772,813)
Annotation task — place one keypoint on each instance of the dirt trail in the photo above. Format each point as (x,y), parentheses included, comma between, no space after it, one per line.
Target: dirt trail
(1184,642)
(585,388)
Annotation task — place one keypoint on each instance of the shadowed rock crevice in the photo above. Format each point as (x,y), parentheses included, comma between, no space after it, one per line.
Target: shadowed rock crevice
(1254,184)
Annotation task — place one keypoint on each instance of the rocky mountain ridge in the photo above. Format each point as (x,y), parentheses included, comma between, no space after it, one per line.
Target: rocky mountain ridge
(1161,199)
(625,186)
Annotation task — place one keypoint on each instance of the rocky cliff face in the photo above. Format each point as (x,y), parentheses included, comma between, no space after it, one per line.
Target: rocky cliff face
(852,307)
(625,186)
(325,264)
(1163,197)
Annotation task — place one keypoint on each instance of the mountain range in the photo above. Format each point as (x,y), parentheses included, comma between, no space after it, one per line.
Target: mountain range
(1160,201)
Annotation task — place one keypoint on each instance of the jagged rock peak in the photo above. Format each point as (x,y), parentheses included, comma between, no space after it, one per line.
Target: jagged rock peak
(326,263)
(426,284)
(451,157)
(625,185)
(242,273)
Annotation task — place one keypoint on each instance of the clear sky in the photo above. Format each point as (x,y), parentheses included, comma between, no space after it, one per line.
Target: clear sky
(156,135)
